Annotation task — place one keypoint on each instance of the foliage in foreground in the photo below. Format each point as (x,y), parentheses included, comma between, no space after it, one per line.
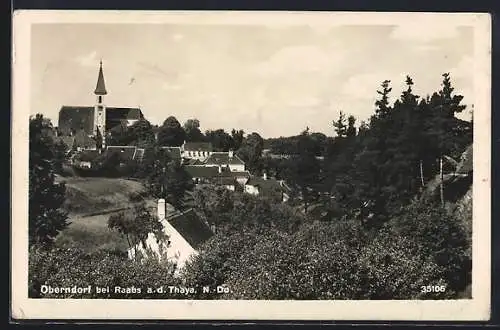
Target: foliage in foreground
(339,260)
(74,267)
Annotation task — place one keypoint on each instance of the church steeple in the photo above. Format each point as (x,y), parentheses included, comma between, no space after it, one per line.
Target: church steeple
(100,111)
(100,88)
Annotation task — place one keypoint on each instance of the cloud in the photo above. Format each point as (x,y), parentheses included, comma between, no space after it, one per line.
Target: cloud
(298,59)
(424,30)
(364,85)
(87,60)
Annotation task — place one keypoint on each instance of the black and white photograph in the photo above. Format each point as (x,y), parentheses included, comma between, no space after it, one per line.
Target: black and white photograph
(212,165)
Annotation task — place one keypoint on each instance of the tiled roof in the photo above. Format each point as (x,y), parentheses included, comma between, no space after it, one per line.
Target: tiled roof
(222,158)
(198,146)
(193,162)
(202,171)
(74,118)
(117,116)
(82,117)
(191,227)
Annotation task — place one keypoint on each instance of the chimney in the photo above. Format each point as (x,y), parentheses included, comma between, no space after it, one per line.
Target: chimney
(264,176)
(230,153)
(161,209)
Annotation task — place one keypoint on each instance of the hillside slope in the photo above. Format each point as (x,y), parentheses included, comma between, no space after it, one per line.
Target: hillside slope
(85,196)
(90,202)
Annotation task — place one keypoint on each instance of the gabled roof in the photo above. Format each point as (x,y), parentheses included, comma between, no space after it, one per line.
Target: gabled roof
(120,116)
(190,161)
(222,158)
(198,146)
(196,171)
(191,228)
(75,118)
(266,186)
(100,88)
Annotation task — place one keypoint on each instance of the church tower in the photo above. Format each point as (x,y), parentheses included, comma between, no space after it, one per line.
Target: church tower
(100,108)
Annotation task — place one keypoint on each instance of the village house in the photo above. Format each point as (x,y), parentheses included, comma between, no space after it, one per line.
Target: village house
(268,187)
(197,150)
(226,159)
(184,233)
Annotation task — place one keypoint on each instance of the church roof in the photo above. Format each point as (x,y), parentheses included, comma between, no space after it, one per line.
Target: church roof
(100,88)
(75,118)
(82,117)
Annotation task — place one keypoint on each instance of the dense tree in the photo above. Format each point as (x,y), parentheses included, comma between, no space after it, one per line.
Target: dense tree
(340,126)
(220,139)
(165,177)
(139,134)
(46,218)
(193,132)
(136,225)
(251,152)
(237,137)
(171,133)
(304,169)
(351,128)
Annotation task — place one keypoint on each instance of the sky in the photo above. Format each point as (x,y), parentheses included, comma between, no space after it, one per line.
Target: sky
(274,80)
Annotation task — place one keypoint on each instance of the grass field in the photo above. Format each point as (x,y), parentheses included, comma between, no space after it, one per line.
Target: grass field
(90,202)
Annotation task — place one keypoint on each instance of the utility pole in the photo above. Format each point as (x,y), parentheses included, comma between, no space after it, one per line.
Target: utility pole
(441,179)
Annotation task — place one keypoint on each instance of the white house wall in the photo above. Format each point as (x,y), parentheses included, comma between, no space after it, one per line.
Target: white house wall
(179,251)
(237,168)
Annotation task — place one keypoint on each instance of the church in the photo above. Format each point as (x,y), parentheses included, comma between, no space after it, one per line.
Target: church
(97,120)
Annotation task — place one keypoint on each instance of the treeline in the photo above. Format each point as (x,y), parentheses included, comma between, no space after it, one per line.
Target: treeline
(172,134)
(382,164)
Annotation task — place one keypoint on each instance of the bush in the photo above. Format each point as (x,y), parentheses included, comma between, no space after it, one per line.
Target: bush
(73,267)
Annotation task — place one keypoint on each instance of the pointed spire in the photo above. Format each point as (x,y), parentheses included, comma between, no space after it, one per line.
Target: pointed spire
(100,88)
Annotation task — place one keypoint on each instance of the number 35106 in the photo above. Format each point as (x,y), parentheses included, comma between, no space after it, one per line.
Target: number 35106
(433,288)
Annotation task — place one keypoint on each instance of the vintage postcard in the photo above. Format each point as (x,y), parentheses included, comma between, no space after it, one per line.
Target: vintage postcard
(196,165)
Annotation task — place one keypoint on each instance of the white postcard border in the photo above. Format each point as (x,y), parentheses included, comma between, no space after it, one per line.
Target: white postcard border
(477,308)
